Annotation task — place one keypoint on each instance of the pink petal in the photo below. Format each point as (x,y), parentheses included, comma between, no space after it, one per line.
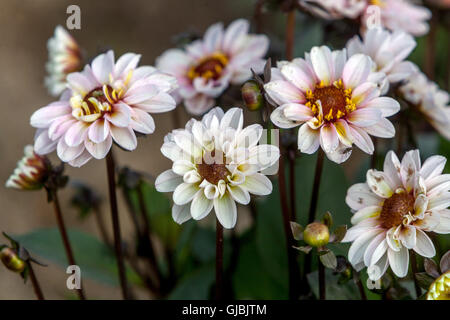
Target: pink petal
(142,122)
(99,130)
(356,70)
(364,117)
(125,63)
(43,144)
(66,153)
(328,138)
(298,77)
(387,105)
(124,137)
(383,129)
(99,150)
(284,92)
(161,102)
(364,93)
(212,39)
(322,63)
(308,139)
(103,66)
(43,117)
(76,134)
(236,31)
(361,139)
(297,112)
(120,115)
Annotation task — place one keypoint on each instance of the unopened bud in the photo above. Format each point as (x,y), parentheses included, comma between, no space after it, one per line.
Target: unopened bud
(251,94)
(316,234)
(11,260)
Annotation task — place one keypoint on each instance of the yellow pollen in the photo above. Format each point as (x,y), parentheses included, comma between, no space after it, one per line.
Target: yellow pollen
(330,103)
(210,67)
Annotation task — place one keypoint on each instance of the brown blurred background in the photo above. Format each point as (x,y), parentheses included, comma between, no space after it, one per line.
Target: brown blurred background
(141,26)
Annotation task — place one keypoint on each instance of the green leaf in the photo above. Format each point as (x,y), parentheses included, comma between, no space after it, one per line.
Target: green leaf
(95,259)
(424,280)
(304,249)
(327,219)
(328,260)
(334,290)
(339,233)
(297,230)
(196,285)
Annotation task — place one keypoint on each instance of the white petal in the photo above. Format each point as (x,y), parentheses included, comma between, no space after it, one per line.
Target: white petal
(433,167)
(181,214)
(308,139)
(167,181)
(200,206)
(226,211)
(424,245)
(99,150)
(184,193)
(399,261)
(359,246)
(124,137)
(257,184)
(379,183)
(364,213)
(239,194)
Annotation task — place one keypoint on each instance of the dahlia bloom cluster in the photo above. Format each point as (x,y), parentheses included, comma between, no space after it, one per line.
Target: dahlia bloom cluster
(388,51)
(108,101)
(393,211)
(333,100)
(216,163)
(64,57)
(433,102)
(206,67)
(31,171)
(395,15)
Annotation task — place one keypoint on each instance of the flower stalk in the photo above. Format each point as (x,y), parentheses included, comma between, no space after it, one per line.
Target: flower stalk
(413,259)
(322,292)
(116,224)
(64,235)
(34,281)
(219,260)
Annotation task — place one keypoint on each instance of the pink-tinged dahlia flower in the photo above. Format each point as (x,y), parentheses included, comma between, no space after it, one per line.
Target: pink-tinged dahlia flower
(31,171)
(216,163)
(388,51)
(108,102)
(64,57)
(333,101)
(400,15)
(334,9)
(394,209)
(433,102)
(206,67)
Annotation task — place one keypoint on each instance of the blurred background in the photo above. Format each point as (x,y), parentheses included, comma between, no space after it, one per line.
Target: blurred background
(149,28)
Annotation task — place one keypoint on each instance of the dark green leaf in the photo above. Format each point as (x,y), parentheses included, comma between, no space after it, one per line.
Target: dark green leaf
(196,285)
(339,233)
(424,280)
(95,259)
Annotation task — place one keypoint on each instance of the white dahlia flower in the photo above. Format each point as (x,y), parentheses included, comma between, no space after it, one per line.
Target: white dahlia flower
(334,9)
(333,101)
(216,163)
(107,102)
(64,57)
(388,51)
(207,67)
(433,102)
(394,209)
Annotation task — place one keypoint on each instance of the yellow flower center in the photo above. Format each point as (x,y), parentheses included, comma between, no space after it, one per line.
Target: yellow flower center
(210,67)
(336,101)
(213,172)
(395,209)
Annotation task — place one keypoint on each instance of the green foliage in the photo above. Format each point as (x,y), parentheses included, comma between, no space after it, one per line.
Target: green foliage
(96,260)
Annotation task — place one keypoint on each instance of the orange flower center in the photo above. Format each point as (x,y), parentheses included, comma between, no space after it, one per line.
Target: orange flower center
(335,101)
(209,68)
(395,209)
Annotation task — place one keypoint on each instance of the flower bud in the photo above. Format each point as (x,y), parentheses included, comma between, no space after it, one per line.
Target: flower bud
(31,171)
(440,288)
(251,94)
(11,260)
(316,234)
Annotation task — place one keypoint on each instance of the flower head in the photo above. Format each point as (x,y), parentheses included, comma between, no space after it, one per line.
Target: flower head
(440,288)
(333,101)
(108,101)
(31,171)
(400,15)
(334,9)
(433,102)
(316,234)
(206,67)
(64,57)
(394,209)
(388,51)
(216,162)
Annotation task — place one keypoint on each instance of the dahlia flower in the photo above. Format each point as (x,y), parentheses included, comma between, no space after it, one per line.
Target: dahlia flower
(334,9)
(216,163)
(394,209)
(30,173)
(332,100)
(388,51)
(108,102)
(433,102)
(206,67)
(64,57)
(400,15)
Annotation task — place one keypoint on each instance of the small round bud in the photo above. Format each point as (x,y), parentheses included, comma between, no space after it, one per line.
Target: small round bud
(316,234)
(11,260)
(251,94)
